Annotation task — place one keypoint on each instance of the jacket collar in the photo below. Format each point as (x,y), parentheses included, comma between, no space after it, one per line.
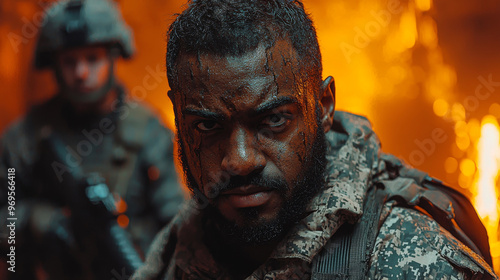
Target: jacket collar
(352,157)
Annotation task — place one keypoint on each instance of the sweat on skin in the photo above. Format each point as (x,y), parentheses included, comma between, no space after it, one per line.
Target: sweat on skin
(246,115)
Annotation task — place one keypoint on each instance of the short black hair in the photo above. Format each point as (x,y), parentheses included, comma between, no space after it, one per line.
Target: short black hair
(235,27)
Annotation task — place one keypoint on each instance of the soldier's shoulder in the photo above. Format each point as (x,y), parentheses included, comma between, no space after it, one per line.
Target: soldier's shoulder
(139,125)
(412,245)
(14,129)
(141,110)
(21,127)
(353,124)
(143,116)
(33,118)
(19,141)
(158,256)
(165,245)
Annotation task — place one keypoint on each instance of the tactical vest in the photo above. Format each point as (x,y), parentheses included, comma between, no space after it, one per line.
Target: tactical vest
(347,254)
(117,165)
(118,151)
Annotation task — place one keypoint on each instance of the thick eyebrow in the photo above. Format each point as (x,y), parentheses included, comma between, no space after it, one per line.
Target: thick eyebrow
(204,114)
(261,109)
(273,104)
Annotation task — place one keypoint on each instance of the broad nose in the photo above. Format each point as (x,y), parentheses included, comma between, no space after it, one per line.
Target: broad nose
(243,154)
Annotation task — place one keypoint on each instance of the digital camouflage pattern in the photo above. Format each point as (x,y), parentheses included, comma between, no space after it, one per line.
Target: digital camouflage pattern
(410,245)
(427,251)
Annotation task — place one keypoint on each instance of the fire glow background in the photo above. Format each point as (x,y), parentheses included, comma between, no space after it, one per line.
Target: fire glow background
(424,72)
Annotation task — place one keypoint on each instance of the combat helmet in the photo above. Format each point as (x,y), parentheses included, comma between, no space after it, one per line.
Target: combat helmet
(75,23)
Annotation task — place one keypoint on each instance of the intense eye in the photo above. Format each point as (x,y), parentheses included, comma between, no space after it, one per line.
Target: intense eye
(207,125)
(275,120)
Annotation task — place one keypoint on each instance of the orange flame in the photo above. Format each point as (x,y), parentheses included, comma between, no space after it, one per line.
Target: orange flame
(488,163)
(488,152)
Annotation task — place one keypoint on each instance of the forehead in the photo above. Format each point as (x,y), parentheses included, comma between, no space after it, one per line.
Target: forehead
(83,51)
(258,74)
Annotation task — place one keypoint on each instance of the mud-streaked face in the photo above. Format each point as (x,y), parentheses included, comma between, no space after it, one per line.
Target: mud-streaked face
(247,130)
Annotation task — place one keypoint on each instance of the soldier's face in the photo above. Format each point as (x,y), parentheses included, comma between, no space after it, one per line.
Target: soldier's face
(84,70)
(249,136)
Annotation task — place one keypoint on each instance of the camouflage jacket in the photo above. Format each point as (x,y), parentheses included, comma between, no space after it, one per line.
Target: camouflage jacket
(410,245)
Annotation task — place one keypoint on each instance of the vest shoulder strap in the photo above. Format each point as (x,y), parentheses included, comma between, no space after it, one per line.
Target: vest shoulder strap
(347,254)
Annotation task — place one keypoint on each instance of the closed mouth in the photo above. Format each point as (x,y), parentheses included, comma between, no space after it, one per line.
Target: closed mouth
(246,190)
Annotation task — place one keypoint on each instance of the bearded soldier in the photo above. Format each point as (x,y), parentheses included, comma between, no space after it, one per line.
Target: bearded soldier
(284,186)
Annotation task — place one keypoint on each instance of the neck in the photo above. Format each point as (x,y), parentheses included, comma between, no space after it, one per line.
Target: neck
(258,254)
(103,106)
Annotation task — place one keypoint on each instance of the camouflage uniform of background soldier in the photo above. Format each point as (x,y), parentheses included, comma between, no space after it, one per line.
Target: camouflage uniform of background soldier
(101,137)
(284,186)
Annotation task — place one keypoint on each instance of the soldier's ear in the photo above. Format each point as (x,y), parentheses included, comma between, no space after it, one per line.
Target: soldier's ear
(170,94)
(327,103)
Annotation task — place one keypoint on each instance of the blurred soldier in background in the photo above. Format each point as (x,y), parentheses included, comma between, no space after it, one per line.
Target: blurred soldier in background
(88,135)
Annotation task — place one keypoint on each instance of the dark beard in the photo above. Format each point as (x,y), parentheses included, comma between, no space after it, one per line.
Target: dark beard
(255,231)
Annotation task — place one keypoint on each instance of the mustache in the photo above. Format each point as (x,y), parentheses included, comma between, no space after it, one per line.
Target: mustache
(236,181)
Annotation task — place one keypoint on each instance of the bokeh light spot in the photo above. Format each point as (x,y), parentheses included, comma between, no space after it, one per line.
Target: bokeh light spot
(467,167)
(450,165)
(440,107)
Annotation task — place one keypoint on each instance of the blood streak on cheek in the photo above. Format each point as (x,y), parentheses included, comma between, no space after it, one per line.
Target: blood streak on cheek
(193,146)
(287,147)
